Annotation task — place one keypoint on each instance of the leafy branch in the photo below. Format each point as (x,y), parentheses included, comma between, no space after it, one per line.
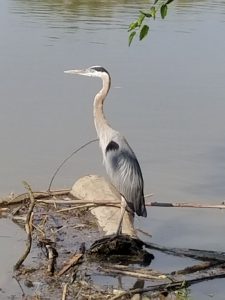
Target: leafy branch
(138,26)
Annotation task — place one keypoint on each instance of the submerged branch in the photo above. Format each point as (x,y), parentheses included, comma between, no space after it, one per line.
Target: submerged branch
(196,268)
(166,288)
(204,255)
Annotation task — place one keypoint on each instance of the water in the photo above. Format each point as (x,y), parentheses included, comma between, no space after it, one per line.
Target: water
(12,244)
(167,98)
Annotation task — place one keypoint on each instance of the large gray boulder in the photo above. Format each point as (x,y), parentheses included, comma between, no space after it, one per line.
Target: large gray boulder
(96,188)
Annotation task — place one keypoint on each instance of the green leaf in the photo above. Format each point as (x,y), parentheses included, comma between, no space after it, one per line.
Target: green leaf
(140,19)
(168,2)
(163,11)
(153,11)
(146,14)
(133,26)
(131,36)
(143,32)
(157,1)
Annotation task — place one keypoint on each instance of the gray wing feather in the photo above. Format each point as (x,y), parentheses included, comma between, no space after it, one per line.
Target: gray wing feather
(125,173)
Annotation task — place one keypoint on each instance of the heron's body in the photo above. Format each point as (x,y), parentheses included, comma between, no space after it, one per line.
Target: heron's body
(119,159)
(125,173)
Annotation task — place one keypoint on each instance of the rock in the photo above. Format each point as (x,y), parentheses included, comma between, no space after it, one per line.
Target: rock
(96,188)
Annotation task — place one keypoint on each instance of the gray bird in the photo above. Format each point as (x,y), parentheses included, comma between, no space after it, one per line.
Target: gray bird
(119,159)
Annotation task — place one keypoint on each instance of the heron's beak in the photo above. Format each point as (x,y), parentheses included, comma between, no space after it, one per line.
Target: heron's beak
(76,72)
(72,71)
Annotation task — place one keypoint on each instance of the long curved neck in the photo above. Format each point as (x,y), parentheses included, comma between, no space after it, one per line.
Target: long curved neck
(101,125)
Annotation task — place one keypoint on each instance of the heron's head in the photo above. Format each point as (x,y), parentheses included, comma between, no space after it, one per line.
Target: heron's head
(95,71)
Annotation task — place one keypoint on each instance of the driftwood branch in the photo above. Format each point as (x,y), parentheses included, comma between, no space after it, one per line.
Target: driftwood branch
(7,201)
(43,197)
(152,204)
(186,205)
(28,226)
(133,272)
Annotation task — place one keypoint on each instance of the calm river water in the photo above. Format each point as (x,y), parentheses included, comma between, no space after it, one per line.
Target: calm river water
(167,98)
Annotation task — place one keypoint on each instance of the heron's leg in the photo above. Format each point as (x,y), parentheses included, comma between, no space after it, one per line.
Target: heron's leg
(123,208)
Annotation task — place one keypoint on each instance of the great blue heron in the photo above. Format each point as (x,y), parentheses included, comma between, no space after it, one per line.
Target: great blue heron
(119,159)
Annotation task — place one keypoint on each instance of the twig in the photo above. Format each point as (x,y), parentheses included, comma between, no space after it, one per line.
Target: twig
(37,195)
(66,159)
(6,201)
(41,195)
(138,273)
(78,201)
(75,207)
(64,291)
(186,205)
(150,204)
(72,262)
(88,205)
(93,203)
(28,226)
(129,268)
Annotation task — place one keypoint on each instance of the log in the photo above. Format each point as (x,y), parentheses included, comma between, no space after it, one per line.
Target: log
(120,248)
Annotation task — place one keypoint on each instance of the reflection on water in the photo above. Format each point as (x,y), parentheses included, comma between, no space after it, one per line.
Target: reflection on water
(107,9)
(72,15)
(84,12)
(200,6)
